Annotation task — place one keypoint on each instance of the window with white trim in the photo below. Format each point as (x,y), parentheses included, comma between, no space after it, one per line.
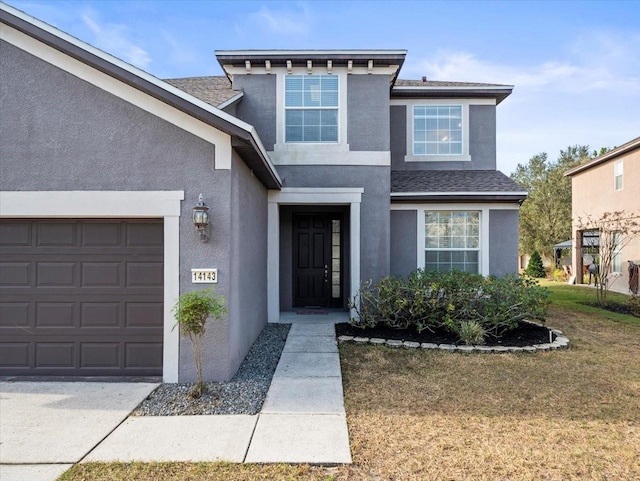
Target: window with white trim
(452,240)
(437,130)
(617,252)
(618,176)
(311,108)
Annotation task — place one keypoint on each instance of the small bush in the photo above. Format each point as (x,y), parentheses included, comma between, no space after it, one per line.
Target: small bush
(634,305)
(455,301)
(471,333)
(191,312)
(535,267)
(558,275)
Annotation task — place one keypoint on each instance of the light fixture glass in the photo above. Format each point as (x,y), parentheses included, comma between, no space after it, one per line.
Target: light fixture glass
(201,219)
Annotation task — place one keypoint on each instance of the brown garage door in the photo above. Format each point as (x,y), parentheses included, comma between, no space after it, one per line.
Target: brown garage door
(81,297)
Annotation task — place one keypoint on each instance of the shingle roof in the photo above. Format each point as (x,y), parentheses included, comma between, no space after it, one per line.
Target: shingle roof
(438,83)
(214,90)
(454,183)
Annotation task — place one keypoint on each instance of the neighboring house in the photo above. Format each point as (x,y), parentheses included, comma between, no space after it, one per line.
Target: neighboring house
(321,170)
(608,183)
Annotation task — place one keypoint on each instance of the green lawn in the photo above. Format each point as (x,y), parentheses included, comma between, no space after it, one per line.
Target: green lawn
(570,414)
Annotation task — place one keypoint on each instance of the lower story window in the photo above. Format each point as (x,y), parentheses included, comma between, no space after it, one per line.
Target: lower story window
(452,240)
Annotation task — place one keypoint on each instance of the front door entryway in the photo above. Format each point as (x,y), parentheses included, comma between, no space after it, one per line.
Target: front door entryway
(317,260)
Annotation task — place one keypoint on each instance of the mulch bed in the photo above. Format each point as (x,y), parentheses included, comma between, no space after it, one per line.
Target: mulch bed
(613,307)
(525,334)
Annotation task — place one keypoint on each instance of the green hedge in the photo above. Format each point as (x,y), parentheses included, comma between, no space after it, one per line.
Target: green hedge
(468,305)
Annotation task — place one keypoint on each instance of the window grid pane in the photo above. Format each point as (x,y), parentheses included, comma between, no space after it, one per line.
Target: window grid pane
(452,240)
(335,259)
(437,130)
(311,103)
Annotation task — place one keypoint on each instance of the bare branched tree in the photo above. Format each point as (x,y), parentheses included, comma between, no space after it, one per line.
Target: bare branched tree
(617,229)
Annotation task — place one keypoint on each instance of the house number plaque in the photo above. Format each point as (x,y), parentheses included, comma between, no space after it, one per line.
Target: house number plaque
(204,276)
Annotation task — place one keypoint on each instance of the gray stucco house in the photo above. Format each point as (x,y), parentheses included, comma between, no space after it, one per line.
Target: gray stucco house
(320,169)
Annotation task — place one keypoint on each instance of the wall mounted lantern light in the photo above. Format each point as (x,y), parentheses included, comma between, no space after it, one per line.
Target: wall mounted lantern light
(201,219)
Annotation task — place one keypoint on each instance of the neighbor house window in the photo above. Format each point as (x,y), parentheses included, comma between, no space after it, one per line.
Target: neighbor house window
(437,130)
(452,240)
(618,175)
(617,253)
(311,108)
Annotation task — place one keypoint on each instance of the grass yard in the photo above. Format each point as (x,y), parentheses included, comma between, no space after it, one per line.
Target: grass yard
(413,414)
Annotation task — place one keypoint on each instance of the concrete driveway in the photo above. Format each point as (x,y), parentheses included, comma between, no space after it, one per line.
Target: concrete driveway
(45,427)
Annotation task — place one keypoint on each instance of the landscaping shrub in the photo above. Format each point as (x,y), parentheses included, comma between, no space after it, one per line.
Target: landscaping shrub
(468,305)
(558,275)
(634,305)
(535,267)
(471,333)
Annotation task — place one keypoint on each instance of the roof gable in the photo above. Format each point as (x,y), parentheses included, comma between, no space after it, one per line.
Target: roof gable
(137,79)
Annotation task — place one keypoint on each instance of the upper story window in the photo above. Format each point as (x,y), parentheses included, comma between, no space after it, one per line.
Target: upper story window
(437,130)
(311,108)
(618,176)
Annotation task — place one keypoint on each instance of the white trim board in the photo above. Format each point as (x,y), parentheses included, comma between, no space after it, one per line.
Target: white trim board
(308,196)
(113,204)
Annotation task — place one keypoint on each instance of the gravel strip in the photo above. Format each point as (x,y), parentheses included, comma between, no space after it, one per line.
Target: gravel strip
(244,394)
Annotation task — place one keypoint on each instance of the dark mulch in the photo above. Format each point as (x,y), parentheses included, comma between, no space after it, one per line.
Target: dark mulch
(613,307)
(525,334)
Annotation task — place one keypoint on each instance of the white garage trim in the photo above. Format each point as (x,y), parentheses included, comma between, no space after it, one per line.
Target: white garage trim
(114,204)
(308,196)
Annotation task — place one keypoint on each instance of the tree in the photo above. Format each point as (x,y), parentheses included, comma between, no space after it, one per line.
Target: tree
(191,312)
(535,267)
(617,229)
(545,216)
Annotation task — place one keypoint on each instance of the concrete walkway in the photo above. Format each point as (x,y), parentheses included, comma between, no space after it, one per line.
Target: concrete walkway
(45,427)
(302,421)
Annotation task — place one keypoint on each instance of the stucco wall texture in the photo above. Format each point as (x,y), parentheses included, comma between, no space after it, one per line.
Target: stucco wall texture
(482,141)
(503,251)
(67,134)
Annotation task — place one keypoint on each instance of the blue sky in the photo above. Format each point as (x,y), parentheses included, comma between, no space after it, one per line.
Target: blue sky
(575,64)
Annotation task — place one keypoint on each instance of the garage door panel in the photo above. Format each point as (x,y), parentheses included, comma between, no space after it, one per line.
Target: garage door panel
(100,355)
(144,274)
(14,314)
(101,274)
(55,354)
(101,234)
(144,314)
(145,235)
(15,234)
(142,355)
(58,233)
(100,314)
(15,354)
(15,274)
(55,274)
(56,314)
(81,297)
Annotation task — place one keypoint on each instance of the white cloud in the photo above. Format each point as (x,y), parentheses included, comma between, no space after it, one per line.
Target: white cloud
(284,22)
(597,62)
(586,92)
(114,39)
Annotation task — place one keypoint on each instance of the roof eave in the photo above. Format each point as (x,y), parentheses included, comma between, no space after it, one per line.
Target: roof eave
(458,196)
(452,92)
(612,154)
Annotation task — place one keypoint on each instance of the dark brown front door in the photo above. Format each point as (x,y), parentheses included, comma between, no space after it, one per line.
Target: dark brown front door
(81,297)
(312,256)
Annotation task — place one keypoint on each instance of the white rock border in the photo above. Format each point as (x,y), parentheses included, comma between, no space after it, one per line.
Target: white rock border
(560,342)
